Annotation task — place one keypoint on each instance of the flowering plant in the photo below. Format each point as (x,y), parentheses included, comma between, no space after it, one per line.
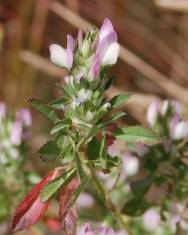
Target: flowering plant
(79,140)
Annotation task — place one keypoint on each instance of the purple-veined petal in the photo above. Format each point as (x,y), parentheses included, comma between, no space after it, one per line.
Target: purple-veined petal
(111,54)
(70,42)
(95,67)
(16,134)
(104,44)
(58,55)
(106,28)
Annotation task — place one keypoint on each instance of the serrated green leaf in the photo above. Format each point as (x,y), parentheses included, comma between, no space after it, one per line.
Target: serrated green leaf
(137,134)
(119,99)
(49,151)
(51,188)
(45,110)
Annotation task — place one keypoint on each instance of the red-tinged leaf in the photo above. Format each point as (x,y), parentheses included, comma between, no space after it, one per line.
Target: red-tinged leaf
(68,216)
(53,224)
(32,208)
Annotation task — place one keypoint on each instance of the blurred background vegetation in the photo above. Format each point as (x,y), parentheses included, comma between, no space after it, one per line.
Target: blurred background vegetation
(153,60)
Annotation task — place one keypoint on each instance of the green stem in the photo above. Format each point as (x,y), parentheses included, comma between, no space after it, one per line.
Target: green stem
(109,204)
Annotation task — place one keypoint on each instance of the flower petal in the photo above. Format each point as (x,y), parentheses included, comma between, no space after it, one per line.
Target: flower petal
(106,28)
(105,43)
(95,67)
(111,54)
(58,55)
(16,135)
(152,112)
(180,131)
(70,42)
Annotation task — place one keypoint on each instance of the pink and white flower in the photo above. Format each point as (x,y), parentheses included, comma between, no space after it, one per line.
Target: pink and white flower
(63,57)
(108,47)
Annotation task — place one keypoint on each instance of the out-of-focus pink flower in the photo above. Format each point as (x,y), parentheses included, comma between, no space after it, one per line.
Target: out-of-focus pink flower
(108,48)
(151,219)
(86,229)
(105,231)
(179,130)
(130,165)
(63,57)
(152,112)
(25,116)
(2,110)
(179,216)
(16,133)
(85,200)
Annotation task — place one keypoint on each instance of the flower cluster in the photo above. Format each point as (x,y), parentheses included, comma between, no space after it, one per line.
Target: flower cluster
(13,131)
(86,58)
(171,113)
(13,134)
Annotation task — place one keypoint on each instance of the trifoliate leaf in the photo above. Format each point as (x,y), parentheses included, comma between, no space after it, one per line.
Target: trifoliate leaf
(137,134)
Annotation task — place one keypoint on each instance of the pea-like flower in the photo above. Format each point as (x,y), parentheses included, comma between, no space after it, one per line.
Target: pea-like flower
(63,57)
